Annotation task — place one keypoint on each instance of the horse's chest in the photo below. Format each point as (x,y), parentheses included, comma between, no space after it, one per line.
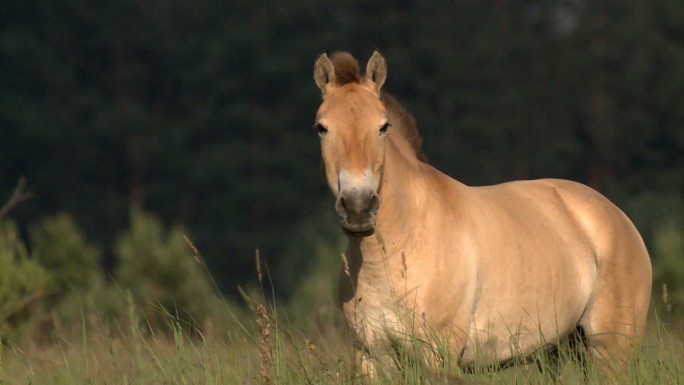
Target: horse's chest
(377,308)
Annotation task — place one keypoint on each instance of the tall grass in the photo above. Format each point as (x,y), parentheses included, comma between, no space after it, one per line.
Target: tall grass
(262,346)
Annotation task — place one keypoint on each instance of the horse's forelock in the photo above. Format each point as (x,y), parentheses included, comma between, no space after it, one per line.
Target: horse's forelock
(346,68)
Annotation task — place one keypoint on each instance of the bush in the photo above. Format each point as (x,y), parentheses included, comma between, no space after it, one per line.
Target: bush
(312,273)
(23,281)
(58,244)
(162,274)
(668,271)
(660,219)
(79,286)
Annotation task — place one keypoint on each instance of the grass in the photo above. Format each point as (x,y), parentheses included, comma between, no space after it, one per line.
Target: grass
(262,347)
(302,342)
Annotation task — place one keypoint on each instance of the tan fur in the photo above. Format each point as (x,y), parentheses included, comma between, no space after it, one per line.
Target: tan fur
(495,272)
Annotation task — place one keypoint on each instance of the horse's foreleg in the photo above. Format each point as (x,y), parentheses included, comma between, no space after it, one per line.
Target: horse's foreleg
(366,366)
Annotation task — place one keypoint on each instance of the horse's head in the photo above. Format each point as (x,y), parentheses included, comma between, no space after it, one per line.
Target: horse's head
(352,124)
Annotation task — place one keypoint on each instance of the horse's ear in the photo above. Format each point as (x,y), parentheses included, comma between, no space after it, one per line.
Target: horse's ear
(376,69)
(324,71)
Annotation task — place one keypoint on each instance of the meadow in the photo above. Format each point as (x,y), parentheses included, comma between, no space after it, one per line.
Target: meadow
(263,342)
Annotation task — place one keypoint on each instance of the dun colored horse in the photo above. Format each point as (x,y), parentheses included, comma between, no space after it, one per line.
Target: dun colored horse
(493,272)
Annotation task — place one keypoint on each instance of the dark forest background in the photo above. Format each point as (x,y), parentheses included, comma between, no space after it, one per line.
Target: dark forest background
(199,113)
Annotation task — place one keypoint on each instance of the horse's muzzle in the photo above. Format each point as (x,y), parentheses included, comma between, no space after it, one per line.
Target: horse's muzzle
(356,210)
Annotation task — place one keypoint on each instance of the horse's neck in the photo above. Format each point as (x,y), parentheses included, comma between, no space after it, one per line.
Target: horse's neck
(402,194)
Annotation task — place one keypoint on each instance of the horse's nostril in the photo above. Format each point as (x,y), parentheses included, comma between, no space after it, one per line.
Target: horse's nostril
(341,209)
(375,203)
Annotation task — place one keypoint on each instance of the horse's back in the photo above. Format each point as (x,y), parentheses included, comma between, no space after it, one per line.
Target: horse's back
(603,224)
(611,233)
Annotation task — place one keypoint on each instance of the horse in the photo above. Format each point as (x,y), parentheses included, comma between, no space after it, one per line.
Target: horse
(493,272)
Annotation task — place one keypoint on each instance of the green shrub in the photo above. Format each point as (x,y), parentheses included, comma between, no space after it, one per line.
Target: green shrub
(668,252)
(311,276)
(58,244)
(316,246)
(23,281)
(162,273)
(660,219)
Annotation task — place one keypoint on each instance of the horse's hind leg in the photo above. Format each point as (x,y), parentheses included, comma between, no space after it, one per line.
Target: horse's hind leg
(614,324)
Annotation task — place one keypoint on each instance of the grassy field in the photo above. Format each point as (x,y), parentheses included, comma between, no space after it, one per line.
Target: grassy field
(303,341)
(261,347)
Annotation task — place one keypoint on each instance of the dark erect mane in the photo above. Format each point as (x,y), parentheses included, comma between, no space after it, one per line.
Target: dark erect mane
(346,68)
(347,71)
(404,123)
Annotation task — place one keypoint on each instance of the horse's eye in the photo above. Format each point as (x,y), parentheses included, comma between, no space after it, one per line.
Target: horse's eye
(321,129)
(383,129)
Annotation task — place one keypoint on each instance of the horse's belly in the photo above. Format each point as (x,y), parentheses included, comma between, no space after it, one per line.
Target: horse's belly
(498,338)
(518,323)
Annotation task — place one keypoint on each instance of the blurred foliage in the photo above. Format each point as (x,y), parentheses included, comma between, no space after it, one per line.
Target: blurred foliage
(316,261)
(200,112)
(163,276)
(660,216)
(54,285)
(78,282)
(669,252)
(58,245)
(23,281)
